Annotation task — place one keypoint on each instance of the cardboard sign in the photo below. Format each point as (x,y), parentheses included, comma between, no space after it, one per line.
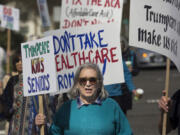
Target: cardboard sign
(79,13)
(9,18)
(95,44)
(155,26)
(39,71)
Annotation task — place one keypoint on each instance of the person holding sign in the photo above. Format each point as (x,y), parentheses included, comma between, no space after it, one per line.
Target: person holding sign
(116,90)
(129,57)
(90,111)
(15,108)
(171,106)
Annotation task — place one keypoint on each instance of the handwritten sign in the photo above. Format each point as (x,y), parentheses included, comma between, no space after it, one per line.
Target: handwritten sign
(155,26)
(39,69)
(79,13)
(9,18)
(96,44)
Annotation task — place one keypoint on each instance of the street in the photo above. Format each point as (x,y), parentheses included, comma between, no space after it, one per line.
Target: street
(145,115)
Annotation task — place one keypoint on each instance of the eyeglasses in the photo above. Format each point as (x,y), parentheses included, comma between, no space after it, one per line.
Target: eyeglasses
(83,81)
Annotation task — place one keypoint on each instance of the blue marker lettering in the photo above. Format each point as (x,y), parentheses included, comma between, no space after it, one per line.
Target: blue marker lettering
(56,50)
(80,38)
(28,80)
(101,38)
(87,42)
(60,84)
(92,36)
(65,81)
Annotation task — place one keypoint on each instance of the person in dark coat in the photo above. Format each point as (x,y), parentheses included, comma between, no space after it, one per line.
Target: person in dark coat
(129,57)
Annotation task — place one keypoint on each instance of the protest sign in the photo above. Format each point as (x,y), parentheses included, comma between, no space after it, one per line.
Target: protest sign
(79,13)
(39,71)
(97,44)
(9,18)
(155,26)
(44,13)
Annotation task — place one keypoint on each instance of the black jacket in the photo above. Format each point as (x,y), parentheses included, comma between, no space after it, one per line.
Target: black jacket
(175,111)
(6,99)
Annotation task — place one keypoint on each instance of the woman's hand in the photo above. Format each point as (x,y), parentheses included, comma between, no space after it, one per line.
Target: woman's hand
(130,68)
(134,92)
(40,119)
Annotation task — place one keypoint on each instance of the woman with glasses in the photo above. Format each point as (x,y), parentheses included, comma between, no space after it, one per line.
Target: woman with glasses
(90,111)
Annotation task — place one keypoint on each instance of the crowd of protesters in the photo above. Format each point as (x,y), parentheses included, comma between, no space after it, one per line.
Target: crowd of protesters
(103,107)
(85,103)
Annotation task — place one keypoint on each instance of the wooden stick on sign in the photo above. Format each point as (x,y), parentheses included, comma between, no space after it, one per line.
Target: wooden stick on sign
(41,111)
(8,51)
(166,95)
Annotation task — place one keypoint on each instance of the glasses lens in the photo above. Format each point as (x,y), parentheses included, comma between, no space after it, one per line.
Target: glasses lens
(92,80)
(83,81)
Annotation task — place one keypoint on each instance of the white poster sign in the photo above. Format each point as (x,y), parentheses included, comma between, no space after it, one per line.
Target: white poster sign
(79,13)
(155,26)
(97,44)
(39,71)
(44,13)
(9,18)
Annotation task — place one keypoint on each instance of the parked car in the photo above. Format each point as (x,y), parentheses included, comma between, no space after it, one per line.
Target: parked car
(146,58)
